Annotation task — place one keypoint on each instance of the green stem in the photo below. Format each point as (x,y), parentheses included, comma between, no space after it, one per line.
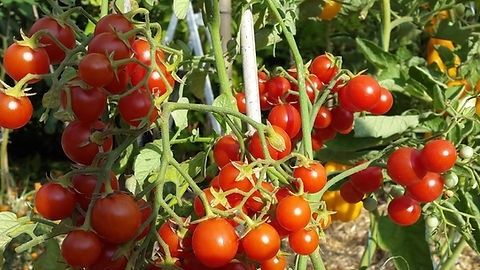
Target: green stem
(317,260)
(387,28)
(301,262)
(371,244)
(213,21)
(304,101)
(4,168)
(450,263)
(104,8)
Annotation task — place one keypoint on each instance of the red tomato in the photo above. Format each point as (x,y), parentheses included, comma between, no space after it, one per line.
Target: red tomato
(119,83)
(439,156)
(116,218)
(107,260)
(64,34)
(324,68)
(282,232)
(55,202)
(323,119)
(155,82)
(404,211)
(14,112)
(264,104)
(317,142)
(95,69)
(215,235)
(276,263)
(368,180)
(84,186)
(141,51)
(312,176)
(255,145)
(136,106)
(77,145)
(350,194)
(293,213)
(345,102)
(20,60)
(261,243)
(428,189)
(256,201)
(215,183)
(226,149)
(113,23)
(198,205)
(312,84)
(342,120)
(363,91)
(146,211)
(171,238)
(87,104)
(81,248)
(304,241)
(384,104)
(262,80)
(241,102)
(276,88)
(231,176)
(324,134)
(286,117)
(109,43)
(405,167)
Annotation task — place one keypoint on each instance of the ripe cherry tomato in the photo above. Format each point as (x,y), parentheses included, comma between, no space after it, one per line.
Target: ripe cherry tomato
(262,80)
(312,84)
(342,120)
(350,194)
(323,119)
(109,43)
(87,104)
(286,117)
(241,102)
(232,176)
(226,149)
(324,134)
(276,88)
(141,51)
(428,189)
(84,186)
(404,211)
(345,102)
(215,235)
(255,145)
(330,10)
(368,180)
(439,156)
(146,211)
(64,34)
(119,83)
(106,260)
(171,238)
(304,241)
(95,69)
(81,248)
(136,106)
(55,202)
(14,112)
(155,82)
(293,213)
(276,263)
(264,104)
(384,104)
(405,167)
(77,144)
(280,230)
(256,202)
(116,218)
(19,60)
(312,176)
(363,91)
(198,205)
(261,243)
(113,23)
(324,68)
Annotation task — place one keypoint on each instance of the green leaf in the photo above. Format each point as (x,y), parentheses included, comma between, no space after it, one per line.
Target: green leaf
(224,101)
(349,143)
(51,258)
(385,62)
(180,8)
(11,227)
(383,126)
(197,164)
(407,245)
(147,161)
(265,37)
(180,116)
(423,77)
(122,163)
(470,204)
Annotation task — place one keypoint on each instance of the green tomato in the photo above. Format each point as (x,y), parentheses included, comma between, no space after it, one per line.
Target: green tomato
(432,222)
(451,180)
(466,152)
(370,204)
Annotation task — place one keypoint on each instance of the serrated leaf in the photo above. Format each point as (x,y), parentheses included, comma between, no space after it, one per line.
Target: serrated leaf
(132,185)
(147,161)
(51,258)
(383,126)
(384,61)
(180,116)
(180,8)
(423,76)
(224,101)
(11,227)
(392,238)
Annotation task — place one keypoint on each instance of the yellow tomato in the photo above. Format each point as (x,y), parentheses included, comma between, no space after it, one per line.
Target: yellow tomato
(434,57)
(344,211)
(466,86)
(442,15)
(441,42)
(330,10)
(331,167)
(330,198)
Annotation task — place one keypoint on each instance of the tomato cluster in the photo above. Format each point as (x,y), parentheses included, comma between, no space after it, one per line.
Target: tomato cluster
(420,172)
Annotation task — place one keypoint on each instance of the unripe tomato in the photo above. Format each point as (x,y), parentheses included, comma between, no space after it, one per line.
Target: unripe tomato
(466,152)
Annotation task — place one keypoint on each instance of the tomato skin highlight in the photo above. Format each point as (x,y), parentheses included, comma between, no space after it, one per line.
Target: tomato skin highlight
(87,104)
(363,91)
(55,202)
(81,248)
(286,117)
(261,243)
(226,150)
(18,61)
(323,68)
(428,189)
(323,119)
(404,211)
(384,104)
(439,156)
(293,213)
(304,241)
(215,235)
(276,263)
(14,112)
(404,166)
(312,176)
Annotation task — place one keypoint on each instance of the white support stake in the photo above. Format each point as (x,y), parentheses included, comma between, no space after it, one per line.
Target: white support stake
(250,76)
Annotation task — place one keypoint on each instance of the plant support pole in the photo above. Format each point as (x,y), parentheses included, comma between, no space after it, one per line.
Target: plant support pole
(249,57)
(226,29)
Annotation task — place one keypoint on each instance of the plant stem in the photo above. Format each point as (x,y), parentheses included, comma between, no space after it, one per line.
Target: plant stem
(387,28)
(104,8)
(213,21)
(371,243)
(456,253)
(317,260)
(304,101)
(4,170)
(301,262)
